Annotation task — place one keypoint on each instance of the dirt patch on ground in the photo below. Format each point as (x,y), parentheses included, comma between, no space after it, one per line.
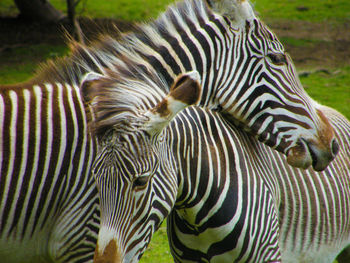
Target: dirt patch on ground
(310,44)
(317,44)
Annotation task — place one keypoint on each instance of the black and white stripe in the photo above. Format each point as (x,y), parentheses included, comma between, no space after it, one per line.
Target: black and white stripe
(49,204)
(312,208)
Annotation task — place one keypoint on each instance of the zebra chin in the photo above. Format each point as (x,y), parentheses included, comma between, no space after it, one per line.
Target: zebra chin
(110,249)
(111,254)
(306,153)
(318,150)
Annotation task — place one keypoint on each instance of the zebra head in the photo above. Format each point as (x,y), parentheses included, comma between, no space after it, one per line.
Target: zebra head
(134,169)
(258,87)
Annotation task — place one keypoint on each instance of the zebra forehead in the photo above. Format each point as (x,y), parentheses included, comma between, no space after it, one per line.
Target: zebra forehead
(131,149)
(119,102)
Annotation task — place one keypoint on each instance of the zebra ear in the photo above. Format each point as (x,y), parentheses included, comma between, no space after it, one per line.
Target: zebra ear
(86,85)
(185,91)
(238,11)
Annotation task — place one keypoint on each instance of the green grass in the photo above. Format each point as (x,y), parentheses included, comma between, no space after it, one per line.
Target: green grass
(19,64)
(135,10)
(311,10)
(330,89)
(298,42)
(158,250)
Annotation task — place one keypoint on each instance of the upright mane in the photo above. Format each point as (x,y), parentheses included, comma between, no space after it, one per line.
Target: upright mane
(110,50)
(121,98)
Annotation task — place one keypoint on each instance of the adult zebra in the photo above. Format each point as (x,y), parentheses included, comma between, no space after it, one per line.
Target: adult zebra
(244,72)
(227,197)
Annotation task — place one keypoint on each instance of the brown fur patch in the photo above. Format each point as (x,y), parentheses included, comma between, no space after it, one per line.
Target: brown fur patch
(89,90)
(162,108)
(110,254)
(297,157)
(186,90)
(327,132)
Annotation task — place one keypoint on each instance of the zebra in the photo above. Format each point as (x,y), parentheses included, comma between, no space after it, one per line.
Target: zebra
(49,208)
(226,196)
(243,69)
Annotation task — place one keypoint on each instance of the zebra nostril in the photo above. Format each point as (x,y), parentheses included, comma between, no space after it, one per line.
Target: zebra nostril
(335,147)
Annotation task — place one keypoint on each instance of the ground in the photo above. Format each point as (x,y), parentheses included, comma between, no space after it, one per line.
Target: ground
(313,44)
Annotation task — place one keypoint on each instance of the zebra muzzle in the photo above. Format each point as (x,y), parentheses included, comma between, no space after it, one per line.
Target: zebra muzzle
(317,150)
(307,153)
(321,157)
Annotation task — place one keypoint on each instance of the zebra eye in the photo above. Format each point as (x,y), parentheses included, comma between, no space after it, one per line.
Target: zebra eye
(277,59)
(141,181)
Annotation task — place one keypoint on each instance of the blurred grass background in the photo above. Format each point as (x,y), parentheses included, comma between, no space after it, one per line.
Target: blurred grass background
(328,83)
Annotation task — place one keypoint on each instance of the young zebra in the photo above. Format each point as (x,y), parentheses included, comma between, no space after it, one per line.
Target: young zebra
(227,197)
